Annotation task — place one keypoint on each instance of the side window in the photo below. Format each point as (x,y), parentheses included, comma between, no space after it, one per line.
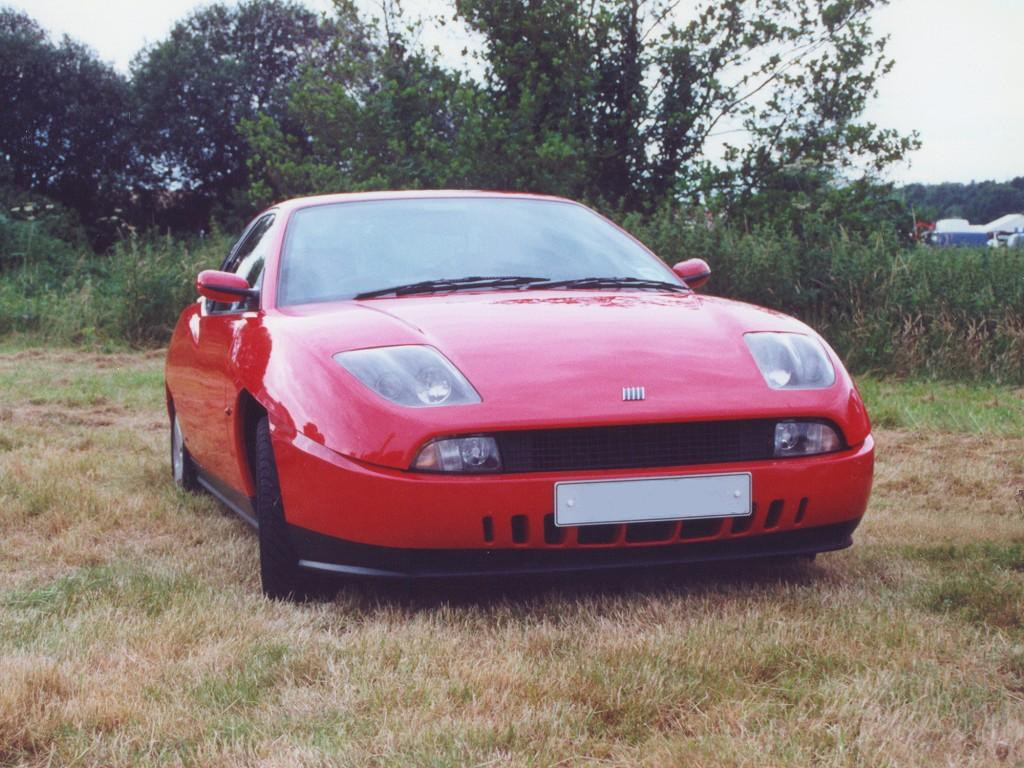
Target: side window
(247,260)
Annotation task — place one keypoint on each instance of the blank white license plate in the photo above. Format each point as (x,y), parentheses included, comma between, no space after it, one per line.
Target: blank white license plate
(649,499)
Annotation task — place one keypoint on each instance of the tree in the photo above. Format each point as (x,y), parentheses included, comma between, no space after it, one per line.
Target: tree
(66,131)
(624,103)
(381,114)
(220,66)
(619,102)
(980,202)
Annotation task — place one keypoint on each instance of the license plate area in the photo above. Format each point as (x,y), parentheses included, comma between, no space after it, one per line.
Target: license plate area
(652,499)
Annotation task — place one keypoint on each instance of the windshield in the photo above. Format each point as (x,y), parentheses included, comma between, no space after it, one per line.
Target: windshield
(341,250)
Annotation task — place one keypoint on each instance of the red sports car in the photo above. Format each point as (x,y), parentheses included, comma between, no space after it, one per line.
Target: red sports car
(448,383)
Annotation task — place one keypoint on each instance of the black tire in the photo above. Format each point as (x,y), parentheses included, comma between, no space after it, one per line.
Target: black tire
(279,566)
(183,469)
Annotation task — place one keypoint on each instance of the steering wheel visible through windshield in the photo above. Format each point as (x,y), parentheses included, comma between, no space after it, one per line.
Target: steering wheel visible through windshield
(344,250)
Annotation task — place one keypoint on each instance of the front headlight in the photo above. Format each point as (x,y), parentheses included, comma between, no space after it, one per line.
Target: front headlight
(805,438)
(414,375)
(791,360)
(478,453)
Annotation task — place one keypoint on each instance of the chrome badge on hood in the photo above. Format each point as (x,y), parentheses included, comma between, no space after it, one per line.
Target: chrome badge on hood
(633,393)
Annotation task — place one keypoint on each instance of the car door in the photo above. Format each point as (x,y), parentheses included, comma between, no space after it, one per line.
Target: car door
(211,443)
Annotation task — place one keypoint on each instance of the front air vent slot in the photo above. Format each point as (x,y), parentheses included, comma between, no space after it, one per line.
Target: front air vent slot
(552,533)
(597,534)
(489,529)
(650,532)
(742,524)
(801,511)
(774,514)
(700,529)
(520,529)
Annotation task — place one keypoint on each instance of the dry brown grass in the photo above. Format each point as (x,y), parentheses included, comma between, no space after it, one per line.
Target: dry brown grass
(132,631)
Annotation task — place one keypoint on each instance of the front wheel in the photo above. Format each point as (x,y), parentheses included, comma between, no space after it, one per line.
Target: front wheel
(183,469)
(279,566)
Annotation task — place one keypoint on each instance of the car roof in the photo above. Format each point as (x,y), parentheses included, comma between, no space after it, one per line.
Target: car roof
(410,194)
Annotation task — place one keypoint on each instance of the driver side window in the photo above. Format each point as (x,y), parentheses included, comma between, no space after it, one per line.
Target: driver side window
(247,260)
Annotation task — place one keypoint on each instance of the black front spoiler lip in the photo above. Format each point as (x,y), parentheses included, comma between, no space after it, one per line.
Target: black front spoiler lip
(326,554)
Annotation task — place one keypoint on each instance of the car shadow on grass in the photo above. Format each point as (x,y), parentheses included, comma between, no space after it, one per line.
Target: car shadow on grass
(693,580)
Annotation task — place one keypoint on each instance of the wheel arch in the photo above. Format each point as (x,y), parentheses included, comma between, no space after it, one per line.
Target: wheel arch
(248,412)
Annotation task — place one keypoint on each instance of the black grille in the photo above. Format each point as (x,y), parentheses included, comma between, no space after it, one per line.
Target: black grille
(636,446)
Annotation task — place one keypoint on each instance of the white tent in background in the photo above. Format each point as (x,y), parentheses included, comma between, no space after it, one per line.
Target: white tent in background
(1011,222)
(956,225)
(962,232)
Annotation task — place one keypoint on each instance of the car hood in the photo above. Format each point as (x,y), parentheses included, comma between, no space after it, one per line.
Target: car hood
(577,350)
(562,358)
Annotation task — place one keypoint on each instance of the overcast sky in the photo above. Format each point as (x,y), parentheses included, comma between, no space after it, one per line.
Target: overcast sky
(958,80)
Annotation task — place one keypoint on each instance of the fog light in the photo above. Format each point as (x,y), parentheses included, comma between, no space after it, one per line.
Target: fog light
(478,453)
(805,438)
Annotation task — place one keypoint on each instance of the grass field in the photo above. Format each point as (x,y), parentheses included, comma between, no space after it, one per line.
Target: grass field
(132,630)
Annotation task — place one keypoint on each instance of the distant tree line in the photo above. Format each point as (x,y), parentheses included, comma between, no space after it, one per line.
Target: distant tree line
(979,202)
(749,106)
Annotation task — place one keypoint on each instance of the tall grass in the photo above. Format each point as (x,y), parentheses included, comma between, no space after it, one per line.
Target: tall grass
(131,294)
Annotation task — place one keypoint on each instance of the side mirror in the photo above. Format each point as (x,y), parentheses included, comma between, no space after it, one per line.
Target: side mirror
(224,287)
(694,272)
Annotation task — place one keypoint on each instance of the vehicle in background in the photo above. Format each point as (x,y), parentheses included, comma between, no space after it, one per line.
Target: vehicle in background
(960,232)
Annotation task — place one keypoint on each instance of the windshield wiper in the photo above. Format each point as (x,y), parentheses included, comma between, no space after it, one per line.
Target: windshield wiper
(611,282)
(453,284)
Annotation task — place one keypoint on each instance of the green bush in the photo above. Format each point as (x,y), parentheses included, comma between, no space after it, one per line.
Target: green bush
(131,294)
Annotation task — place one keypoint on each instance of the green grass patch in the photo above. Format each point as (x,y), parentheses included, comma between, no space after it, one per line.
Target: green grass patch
(247,682)
(75,380)
(981,583)
(127,587)
(987,554)
(994,598)
(943,406)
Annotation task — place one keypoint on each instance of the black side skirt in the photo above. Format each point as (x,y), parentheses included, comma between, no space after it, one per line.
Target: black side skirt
(241,505)
(327,554)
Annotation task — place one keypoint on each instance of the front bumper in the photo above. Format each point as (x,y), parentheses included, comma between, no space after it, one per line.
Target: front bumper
(351,517)
(329,555)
